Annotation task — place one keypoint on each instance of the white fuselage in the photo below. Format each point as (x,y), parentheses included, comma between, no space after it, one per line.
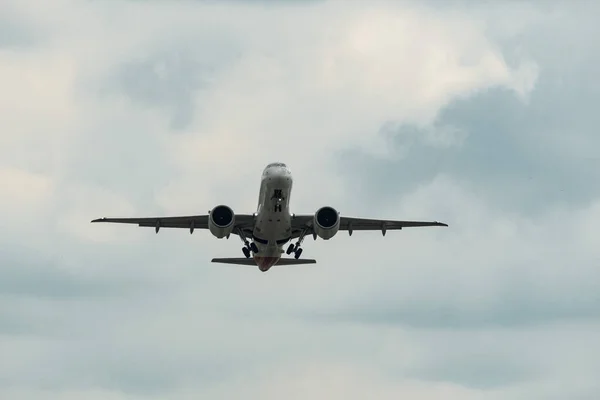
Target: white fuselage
(273,228)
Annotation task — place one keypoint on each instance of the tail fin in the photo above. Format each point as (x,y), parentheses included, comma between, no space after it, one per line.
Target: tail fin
(250,261)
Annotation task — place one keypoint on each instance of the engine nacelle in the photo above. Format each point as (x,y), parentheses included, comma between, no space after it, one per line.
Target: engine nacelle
(221,221)
(326,222)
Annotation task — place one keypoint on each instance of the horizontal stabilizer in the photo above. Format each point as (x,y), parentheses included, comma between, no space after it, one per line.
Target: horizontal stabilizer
(250,261)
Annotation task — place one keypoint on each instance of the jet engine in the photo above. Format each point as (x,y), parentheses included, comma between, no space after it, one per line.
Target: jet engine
(221,220)
(326,222)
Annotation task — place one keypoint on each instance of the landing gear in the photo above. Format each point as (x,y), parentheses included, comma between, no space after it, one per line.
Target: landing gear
(246,252)
(291,248)
(295,248)
(248,247)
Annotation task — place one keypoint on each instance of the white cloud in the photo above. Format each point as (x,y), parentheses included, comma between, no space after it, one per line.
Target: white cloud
(24,188)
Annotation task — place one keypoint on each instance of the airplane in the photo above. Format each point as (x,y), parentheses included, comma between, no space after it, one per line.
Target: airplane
(272,226)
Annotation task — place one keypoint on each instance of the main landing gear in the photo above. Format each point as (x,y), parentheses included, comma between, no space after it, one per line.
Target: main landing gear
(248,247)
(246,252)
(295,248)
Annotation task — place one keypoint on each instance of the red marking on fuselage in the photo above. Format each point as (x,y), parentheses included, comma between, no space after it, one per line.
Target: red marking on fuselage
(264,263)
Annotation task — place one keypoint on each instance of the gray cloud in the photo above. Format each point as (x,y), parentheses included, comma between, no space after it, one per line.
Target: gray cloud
(14,31)
(170,79)
(35,276)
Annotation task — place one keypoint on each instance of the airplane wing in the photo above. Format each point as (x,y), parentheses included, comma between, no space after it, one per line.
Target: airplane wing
(364,224)
(350,224)
(244,222)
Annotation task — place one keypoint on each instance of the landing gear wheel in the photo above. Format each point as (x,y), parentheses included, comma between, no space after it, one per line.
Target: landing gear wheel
(290,249)
(298,253)
(246,252)
(253,247)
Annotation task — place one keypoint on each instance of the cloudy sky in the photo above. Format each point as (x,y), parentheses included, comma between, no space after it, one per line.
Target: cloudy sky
(481,115)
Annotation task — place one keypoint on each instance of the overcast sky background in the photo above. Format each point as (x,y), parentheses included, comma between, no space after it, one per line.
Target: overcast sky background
(481,115)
